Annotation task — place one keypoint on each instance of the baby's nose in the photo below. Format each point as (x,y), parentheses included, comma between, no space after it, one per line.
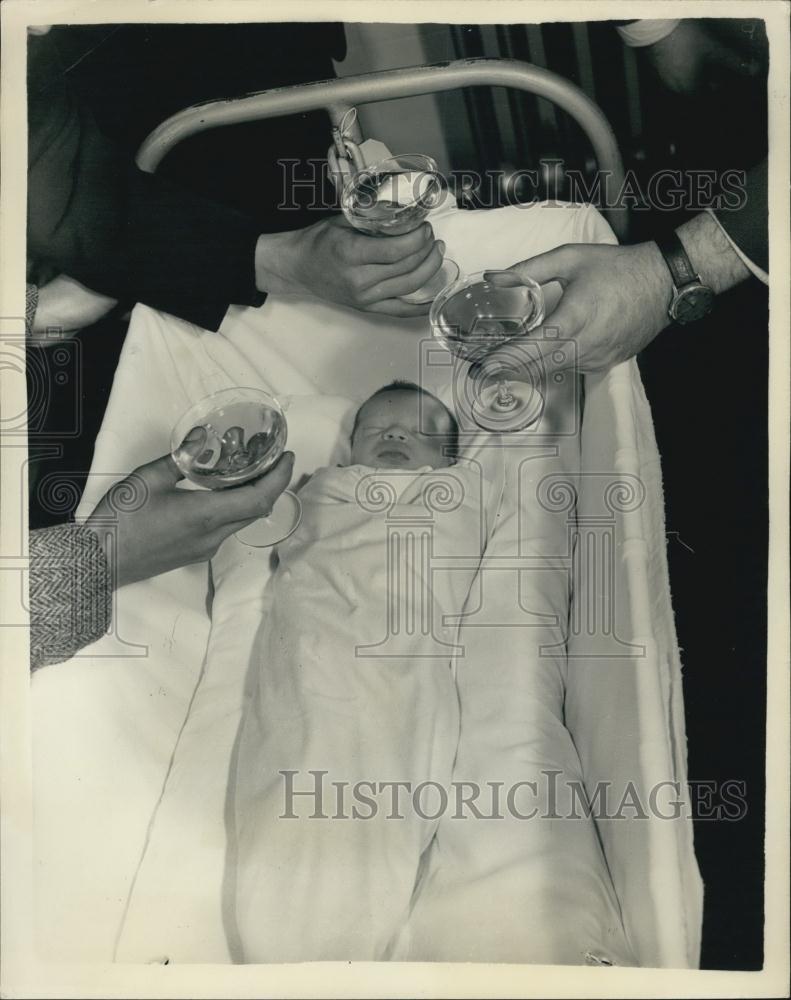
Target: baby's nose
(396,434)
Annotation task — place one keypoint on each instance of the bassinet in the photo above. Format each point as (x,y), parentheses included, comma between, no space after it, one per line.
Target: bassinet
(133,736)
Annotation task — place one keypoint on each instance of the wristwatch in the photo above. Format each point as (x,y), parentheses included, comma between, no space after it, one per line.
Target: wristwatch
(692,300)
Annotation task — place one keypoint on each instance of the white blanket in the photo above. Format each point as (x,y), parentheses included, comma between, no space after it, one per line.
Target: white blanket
(352,688)
(134,737)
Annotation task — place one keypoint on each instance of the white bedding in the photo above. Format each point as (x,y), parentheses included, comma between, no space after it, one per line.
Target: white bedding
(133,743)
(530,884)
(352,678)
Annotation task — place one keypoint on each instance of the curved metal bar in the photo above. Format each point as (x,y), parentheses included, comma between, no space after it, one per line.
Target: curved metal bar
(390,85)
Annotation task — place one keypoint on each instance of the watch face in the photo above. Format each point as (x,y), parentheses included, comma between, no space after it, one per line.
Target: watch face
(692,303)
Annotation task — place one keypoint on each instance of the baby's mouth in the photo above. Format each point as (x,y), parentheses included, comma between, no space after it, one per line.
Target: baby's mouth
(393,456)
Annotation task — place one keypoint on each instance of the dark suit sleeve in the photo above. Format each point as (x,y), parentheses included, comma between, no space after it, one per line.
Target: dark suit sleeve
(748,226)
(130,235)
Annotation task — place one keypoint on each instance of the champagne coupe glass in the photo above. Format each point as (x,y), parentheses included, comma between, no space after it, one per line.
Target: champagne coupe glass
(393,197)
(473,317)
(229,438)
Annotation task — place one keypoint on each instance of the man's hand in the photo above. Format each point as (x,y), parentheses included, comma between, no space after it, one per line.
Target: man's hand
(615,299)
(147,526)
(614,303)
(334,261)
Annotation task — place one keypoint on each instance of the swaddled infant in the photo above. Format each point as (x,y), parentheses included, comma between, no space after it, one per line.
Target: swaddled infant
(354,705)
(404,427)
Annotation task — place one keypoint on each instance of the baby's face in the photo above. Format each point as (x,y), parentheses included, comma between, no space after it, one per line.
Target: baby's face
(402,430)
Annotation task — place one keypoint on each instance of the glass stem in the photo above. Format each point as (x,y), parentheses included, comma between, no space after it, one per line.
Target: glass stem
(505,398)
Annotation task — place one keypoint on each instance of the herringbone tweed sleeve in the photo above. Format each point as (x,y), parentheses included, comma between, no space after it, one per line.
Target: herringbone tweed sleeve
(70,592)
(31,304)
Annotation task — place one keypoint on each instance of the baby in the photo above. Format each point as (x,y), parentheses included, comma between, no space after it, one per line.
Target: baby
(401,426)
(354,692)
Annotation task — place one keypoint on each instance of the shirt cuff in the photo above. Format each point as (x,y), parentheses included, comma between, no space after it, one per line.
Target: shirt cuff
(750,265)
(638,34)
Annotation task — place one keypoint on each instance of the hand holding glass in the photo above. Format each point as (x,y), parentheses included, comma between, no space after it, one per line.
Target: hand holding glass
(394,197)
(229,438)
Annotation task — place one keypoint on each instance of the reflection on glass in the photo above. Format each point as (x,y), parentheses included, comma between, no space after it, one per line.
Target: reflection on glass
(232,437)
(472,318)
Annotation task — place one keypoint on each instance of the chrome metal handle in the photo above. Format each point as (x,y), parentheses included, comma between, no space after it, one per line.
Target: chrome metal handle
(338,95)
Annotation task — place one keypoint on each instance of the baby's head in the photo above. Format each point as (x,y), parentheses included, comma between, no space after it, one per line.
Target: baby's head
(403,426)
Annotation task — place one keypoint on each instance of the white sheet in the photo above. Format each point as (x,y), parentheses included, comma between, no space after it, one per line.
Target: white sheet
(531,884)
(132,752)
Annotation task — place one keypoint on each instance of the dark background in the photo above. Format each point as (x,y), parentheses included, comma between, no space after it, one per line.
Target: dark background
(707,384)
